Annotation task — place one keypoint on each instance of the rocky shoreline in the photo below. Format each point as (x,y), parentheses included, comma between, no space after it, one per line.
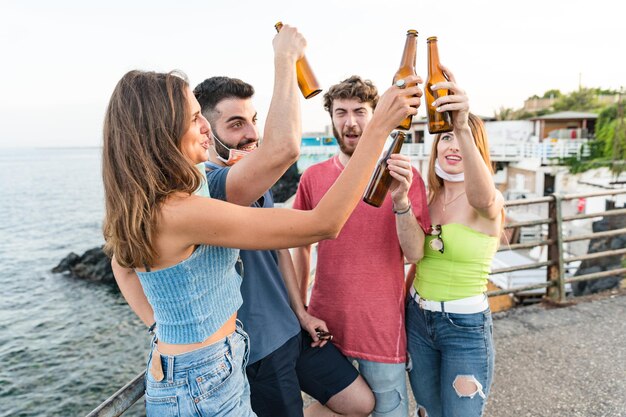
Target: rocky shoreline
(92,265)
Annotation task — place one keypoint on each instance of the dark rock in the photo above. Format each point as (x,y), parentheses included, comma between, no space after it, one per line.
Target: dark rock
(287,185)
(93,265)
(584,287)
(597,245)
(67,262)
(618,243)
(605,263)
(596,286)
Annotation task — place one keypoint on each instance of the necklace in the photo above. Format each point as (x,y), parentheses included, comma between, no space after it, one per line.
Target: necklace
(451,201)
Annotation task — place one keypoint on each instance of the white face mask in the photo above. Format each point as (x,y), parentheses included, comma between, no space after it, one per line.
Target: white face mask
(448,177)
(234,155)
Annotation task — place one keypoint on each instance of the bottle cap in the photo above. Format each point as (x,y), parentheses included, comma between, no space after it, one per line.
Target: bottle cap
(411,32)
(431,38)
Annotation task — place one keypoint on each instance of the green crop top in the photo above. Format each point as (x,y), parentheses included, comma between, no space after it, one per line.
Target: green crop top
(462,270)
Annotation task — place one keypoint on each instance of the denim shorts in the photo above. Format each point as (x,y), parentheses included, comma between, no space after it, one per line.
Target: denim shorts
(209,381)
(445,348)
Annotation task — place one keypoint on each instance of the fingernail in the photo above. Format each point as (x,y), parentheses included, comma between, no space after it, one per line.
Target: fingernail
(435,103)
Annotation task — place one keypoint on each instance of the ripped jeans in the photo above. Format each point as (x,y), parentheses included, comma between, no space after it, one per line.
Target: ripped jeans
(388,384)
(452,359)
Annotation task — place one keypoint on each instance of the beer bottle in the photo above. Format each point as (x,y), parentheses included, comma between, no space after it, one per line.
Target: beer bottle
(407,67)
(381,180)
(437,122)
(306,79)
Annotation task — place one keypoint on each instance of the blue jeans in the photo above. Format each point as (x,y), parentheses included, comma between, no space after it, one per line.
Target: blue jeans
(388,383)
(452,359)
(210,381)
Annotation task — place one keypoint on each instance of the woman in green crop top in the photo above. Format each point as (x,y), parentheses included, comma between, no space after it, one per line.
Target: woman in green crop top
(448,321)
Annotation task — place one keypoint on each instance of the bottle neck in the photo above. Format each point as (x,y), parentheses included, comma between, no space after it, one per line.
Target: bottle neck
(433,57)
(396,145)
(410,52)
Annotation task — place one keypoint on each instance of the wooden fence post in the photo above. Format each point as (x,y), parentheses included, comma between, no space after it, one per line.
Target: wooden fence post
(556,271)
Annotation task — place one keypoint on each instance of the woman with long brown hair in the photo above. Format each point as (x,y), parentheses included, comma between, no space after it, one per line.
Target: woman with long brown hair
(448,321)
(181,245)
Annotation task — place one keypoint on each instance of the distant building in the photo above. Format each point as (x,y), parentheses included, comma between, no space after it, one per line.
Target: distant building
(565,125)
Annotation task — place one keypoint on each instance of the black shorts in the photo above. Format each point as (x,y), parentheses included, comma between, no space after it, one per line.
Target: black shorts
(277,379)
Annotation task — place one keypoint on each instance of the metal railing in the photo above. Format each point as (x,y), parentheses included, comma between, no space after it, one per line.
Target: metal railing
(556,261)
(122,400)
(555,282)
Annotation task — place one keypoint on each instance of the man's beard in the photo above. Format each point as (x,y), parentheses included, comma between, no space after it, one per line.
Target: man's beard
(220,149)
(342,146)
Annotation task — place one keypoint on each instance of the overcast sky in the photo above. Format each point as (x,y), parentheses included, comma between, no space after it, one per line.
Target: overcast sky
(62,59)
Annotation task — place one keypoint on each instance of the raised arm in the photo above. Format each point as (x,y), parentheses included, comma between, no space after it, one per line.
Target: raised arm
(481,192)
(251,177)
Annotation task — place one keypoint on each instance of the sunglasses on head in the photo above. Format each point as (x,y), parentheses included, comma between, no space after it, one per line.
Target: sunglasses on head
(437,243)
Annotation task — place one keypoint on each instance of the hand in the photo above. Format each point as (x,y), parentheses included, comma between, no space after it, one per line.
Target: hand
(398,103)
(457,101)
(312,325)
(400,169)
(289,43)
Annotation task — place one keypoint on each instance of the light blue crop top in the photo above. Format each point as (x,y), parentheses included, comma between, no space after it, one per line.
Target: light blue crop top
(194,298)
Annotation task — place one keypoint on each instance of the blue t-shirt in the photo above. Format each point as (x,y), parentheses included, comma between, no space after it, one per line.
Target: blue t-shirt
(266,313)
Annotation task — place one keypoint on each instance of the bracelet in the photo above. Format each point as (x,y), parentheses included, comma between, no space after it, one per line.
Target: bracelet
(151,328)
(406,210)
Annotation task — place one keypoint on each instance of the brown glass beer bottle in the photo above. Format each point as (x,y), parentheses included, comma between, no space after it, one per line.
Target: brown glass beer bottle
(381,180)
(306,79)
(437,122)
(407,67)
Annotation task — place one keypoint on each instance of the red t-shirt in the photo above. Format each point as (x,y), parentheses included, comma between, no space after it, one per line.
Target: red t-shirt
(359,278)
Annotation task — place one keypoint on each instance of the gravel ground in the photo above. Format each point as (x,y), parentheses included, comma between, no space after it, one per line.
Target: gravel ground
(560,362)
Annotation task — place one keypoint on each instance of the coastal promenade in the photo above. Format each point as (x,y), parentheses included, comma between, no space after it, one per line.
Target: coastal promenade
(561,361)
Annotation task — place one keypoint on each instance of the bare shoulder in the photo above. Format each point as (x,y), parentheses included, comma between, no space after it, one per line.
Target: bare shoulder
(180,210)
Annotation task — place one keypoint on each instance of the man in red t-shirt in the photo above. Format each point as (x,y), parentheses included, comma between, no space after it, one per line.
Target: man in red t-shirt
(359,288)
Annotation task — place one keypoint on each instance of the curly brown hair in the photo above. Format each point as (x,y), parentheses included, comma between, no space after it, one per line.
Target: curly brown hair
(353,87)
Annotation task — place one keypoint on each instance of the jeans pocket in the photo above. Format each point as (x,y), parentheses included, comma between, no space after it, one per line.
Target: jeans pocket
(470,322)
(161,406)
(213,375)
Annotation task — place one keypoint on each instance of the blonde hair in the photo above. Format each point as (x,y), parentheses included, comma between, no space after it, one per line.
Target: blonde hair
(142,163)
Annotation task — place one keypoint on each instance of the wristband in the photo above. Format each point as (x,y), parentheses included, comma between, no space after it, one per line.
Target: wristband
(406,210)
